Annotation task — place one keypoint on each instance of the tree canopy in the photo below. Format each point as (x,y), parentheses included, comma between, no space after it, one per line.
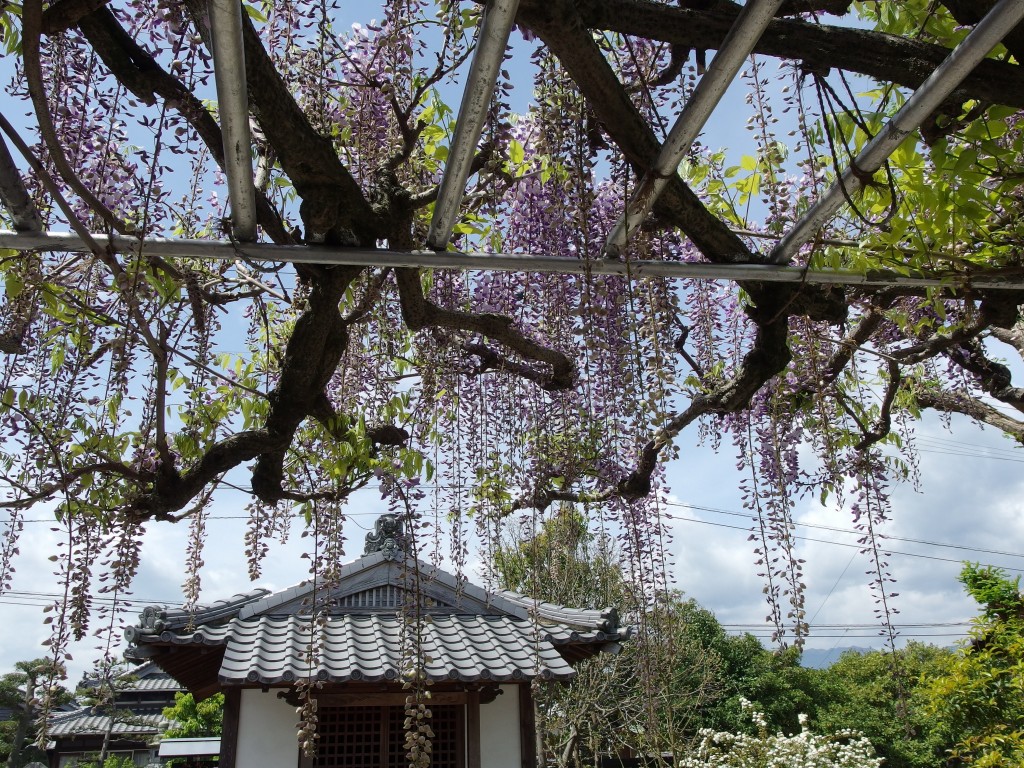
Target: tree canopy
(192,719)
(136,387)
(26,692)
(977,702)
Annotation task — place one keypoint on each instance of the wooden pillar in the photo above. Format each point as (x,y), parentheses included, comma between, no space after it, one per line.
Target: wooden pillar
(229,732)
(528,735)
(472,729)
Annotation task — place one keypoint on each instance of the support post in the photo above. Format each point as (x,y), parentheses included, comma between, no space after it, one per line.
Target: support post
(492,39)
(229,732)
(233,104)
(473,729)
(529,739)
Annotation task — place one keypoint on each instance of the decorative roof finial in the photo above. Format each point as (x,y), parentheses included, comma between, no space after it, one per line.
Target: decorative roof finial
(388,536)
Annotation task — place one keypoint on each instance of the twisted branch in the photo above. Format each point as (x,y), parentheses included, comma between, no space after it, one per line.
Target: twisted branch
(419,313)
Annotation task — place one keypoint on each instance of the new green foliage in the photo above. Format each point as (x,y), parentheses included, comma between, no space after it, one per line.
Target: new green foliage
(194,719)
(978,702)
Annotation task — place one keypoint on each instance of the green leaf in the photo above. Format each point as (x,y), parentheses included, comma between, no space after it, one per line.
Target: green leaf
(254,14)
(516,152)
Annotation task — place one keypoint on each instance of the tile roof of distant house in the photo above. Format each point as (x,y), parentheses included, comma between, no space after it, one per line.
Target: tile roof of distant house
(83,721)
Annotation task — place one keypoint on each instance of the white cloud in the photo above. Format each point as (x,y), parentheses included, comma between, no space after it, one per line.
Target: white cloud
(973,500)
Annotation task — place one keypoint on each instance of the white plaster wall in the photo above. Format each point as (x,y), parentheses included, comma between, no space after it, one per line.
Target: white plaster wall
(499,731)
(266,731)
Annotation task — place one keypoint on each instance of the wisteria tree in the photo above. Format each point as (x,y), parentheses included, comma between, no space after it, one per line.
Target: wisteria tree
(136,387)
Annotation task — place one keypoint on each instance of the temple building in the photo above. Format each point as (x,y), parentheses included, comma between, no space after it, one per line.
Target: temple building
(387,618)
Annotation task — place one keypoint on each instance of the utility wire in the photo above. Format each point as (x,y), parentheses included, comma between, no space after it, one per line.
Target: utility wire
(885,550)
(699,508)
(742,626)
(976,450)
(886,537)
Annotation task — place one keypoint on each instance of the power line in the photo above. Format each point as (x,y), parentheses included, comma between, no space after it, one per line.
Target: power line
(717,511)
(125,600)
(845,530)
(919,625)
(880,633)
(885,550)
(736,627)
(984,451)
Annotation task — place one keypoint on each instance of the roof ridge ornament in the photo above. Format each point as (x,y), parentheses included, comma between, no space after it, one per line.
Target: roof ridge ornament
(387,536)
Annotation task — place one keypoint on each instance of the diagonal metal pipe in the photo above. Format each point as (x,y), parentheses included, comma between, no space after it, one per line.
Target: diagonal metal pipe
(492,39)
(14,195)
(233,104)
(223,250)
(1003,17)
(742,37)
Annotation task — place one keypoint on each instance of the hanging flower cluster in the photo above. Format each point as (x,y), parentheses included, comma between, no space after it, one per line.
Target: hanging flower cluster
(135,389)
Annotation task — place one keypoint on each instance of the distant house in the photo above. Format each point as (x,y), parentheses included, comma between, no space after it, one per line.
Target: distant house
(77,736)
(387,615)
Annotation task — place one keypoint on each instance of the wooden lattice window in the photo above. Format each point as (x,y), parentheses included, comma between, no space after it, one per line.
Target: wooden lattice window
(374,737)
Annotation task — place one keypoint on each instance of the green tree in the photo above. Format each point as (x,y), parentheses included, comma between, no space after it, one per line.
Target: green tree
(679,673)
(564,562)
(193,718)
(22,691)
(101,693)
(643,698)
(881,695)
(113,761)
(978,703)
(773,681)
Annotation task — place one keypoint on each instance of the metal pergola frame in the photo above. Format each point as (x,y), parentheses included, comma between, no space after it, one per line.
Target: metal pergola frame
(496,25)
(224,250)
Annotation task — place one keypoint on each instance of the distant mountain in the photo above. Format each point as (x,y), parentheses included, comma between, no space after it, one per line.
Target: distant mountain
(819,658)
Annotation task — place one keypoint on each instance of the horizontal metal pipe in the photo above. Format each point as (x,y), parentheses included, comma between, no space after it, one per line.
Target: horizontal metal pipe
(924,101)
(15,196)
(492,39)
(742,37)
(502,262)
(233,105)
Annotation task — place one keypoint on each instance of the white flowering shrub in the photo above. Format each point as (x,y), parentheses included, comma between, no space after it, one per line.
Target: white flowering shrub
(719,749)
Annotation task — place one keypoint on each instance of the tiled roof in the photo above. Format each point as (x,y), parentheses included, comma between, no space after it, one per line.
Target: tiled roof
(157,618)
(466,648)
(83,721)
(161,682)
(469,633)
(607,619)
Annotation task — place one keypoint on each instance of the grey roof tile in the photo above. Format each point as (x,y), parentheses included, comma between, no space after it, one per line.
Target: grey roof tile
(606,619)
(468,634)
(82,722)
(158,619)
(269,650)
(162,682)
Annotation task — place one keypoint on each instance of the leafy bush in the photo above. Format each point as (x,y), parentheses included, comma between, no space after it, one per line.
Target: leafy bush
(114,761)
(978,703)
